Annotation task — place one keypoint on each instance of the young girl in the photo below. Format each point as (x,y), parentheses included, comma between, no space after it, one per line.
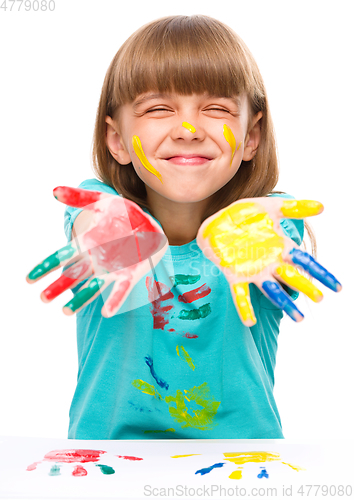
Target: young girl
(183,131)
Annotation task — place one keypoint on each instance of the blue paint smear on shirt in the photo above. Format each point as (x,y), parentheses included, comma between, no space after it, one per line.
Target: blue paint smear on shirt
(159,381)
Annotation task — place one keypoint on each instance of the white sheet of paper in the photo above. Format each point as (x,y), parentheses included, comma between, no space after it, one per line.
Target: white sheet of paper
(160,474)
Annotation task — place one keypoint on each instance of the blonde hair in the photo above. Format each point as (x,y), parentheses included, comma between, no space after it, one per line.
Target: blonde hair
(186,54)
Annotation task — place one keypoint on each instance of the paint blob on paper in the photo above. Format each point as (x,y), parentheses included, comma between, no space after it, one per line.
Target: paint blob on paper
(141,155)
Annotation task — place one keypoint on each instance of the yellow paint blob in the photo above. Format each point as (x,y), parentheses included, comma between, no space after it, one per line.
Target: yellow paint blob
(203,418)
(236,474)
(146,388)
(295,467)
(229,136)
(253,456)
(298,209)
(244,305)
(186,357)
(243,238)
(141,155)
(188,126)
(181,456)
(292,277)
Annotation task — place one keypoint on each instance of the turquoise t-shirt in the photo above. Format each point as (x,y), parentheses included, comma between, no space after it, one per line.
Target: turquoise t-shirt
(183,366)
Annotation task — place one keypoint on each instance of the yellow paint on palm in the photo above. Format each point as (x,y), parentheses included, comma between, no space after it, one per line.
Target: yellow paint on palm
(243,238)
(236,474)
(298,209)
(244,305)
(146,388)
(185,356)
(292,277)
(202,419)
(252,456)
(141,155)
(188,126)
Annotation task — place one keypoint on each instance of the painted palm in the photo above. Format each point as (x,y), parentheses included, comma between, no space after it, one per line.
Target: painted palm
(120,245)
(246,242)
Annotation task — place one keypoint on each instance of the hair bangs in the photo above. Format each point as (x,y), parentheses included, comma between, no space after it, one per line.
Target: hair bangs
(184,55)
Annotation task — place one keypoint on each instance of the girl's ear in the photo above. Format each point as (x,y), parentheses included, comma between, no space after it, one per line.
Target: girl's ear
(253,138)
(115,144)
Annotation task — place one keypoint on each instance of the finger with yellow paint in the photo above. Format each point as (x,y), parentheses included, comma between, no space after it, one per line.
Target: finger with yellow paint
(289,275)
(299,209)
(242,300)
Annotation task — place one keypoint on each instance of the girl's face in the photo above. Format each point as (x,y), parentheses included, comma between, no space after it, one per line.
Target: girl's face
(185,148)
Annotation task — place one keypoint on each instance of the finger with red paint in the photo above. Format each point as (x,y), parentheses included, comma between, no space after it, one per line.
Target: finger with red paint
(117,246)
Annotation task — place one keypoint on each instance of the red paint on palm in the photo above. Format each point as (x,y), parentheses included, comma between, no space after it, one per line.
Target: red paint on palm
(195,294)
(76,197)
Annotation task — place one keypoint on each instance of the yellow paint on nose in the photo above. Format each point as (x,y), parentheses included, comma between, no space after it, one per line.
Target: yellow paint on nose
(141,155)
(188,126)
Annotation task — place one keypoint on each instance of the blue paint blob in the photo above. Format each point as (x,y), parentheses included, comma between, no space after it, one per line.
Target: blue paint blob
(309,264)
(208,469)
(263,473)
(159,381)
(281,299)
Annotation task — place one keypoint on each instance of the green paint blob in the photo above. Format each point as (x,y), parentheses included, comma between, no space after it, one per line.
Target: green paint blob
(55,470)
(52,262)
(184,279)
(86,294)
(201,312)
(106,469)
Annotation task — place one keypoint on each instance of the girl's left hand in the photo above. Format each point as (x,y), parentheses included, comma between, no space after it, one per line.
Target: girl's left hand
(246,242)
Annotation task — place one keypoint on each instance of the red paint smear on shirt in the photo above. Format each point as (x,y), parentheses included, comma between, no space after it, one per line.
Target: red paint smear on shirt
(195,294)
(79,471)
(128,457)
(71,456)
(158,311)
(190,336)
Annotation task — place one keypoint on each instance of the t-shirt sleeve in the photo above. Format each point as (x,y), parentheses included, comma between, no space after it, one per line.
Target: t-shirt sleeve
(71,213)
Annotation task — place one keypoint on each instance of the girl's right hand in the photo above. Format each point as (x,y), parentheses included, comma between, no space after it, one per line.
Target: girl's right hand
(117,246)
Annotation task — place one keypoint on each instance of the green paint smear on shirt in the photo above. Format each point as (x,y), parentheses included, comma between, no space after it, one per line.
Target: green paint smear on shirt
(156,431)
(201,312)
(106,469)
(184,279)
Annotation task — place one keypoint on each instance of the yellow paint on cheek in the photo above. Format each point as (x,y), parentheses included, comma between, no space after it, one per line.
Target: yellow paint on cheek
(185,356)
(188,126)
(229,136)
(243,238)
(141,155)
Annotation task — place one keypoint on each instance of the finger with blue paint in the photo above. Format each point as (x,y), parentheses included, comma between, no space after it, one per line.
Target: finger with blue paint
(280,298)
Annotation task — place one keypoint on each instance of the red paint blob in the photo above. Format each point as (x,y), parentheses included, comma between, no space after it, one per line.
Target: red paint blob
(195,294)
(71,456)
(190,336)
(158,311)
(79,471)
(127,457)
(76,197)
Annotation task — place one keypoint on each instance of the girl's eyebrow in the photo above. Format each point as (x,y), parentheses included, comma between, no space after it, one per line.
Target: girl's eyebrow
(147,97)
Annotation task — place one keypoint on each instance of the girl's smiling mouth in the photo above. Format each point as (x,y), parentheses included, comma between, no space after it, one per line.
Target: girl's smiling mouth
(189,160)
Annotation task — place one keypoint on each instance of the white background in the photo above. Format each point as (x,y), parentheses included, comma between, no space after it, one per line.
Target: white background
(52,69)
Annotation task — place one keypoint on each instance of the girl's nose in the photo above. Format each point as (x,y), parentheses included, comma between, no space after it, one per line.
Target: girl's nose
(188,131)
